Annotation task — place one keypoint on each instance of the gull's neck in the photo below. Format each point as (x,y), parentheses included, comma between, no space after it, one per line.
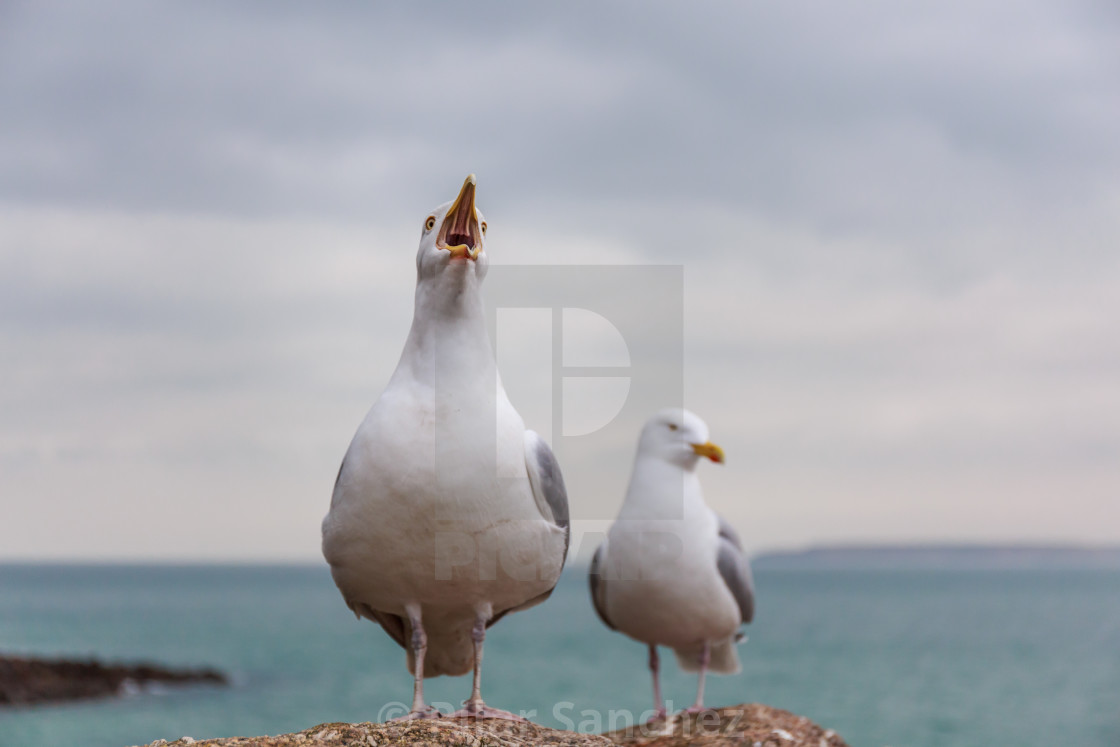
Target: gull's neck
(662,489)
(448,335)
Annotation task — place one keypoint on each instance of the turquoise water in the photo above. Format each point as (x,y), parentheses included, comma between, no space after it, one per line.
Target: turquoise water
(902,658)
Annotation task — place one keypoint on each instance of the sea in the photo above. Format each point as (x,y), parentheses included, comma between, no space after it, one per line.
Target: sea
(958,657)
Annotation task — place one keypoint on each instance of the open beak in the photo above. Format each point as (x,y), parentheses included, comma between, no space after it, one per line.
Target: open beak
(460,232)
(709,450)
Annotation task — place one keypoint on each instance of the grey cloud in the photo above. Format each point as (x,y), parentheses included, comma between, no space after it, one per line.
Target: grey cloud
(897,223)
(943,111)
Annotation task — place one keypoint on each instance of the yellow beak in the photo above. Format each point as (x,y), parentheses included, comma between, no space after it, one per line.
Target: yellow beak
(460,233)
(709,450)
(462,250)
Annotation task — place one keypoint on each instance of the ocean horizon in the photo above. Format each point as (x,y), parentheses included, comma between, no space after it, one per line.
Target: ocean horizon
(884,656)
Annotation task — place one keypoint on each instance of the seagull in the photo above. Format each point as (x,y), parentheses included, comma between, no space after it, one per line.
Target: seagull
(447,514)
(671,571)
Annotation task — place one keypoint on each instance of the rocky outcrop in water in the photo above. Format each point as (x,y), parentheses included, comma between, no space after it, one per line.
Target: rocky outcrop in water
(26,681)
(751,725)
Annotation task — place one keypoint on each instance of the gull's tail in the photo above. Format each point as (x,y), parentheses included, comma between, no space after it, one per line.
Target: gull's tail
(450,649)
(724,657)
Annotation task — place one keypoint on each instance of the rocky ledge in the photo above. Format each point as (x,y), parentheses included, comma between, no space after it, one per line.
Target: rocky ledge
(751,725)
(26,681)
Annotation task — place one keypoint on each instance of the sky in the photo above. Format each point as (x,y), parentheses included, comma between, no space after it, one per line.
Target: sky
(896,227)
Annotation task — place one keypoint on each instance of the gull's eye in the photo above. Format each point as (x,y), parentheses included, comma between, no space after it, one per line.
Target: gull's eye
(482,225)
(672,426)
(430,223)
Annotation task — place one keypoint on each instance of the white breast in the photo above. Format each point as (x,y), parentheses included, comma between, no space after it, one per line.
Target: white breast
(664,586)
(434,505)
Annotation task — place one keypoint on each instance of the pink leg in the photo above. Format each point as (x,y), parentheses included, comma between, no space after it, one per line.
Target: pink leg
(474,708)
(420,709)
(705,657)
(655,670)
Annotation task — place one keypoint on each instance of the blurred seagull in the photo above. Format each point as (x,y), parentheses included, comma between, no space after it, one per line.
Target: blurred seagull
(447,513)
(672,572)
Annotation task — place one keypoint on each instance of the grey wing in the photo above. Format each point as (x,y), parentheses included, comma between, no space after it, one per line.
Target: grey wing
(552,499)
(731,561)
(548,484)
(599,586)
(727,532)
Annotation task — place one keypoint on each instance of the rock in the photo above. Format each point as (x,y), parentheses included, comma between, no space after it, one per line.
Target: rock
(25,680)
(444,732)
(749,725)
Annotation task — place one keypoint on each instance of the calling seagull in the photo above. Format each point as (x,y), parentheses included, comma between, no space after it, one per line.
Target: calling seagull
(443,458)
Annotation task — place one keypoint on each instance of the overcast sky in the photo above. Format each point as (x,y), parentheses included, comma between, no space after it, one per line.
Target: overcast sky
(898,224)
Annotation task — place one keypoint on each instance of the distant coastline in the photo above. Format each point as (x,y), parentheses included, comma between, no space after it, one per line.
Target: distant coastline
(28,680)
(941,556)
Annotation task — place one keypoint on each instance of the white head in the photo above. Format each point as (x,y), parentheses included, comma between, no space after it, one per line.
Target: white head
(678,436)
(453,240)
